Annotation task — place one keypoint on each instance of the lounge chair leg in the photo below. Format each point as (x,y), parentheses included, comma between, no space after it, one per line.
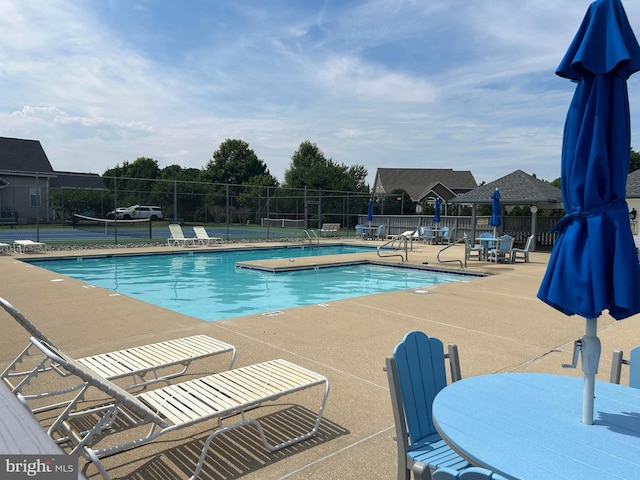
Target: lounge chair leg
(96,461)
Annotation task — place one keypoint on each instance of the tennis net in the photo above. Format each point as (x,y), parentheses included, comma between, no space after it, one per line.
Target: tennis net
(138,228)
(282,223)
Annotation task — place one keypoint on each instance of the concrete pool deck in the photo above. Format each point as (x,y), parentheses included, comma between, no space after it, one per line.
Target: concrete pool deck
(497,322)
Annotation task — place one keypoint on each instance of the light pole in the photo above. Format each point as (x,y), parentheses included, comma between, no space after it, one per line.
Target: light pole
(401,204)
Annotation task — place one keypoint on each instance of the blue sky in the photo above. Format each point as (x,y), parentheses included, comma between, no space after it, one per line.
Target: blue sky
(462,84)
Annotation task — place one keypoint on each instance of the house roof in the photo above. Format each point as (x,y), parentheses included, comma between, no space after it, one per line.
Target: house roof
(77,180)
(517,188)
(419,182)
(18,155)
(633,184)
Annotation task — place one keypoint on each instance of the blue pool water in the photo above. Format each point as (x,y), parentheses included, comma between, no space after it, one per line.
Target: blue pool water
(208,285)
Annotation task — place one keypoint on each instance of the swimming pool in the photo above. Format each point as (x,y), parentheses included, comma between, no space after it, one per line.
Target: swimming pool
(208,286)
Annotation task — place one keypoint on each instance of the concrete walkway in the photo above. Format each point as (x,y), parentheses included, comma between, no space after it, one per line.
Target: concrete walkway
(497,322)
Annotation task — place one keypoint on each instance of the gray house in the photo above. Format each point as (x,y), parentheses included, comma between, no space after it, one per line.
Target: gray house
(423,183)
(27,178)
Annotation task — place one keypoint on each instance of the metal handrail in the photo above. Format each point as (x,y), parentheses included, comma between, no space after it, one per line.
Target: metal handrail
(307,235)
(402,239)
(462,266)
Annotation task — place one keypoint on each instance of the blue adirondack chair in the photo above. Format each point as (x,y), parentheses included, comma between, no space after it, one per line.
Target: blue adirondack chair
(471,473)
(634,366)
(417,372)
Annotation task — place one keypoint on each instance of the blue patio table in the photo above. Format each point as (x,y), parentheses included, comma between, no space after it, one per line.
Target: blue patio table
(529,426)
(369,231)
(487,243)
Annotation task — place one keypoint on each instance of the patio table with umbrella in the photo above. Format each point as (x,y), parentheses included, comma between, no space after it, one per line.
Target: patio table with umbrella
(594,265)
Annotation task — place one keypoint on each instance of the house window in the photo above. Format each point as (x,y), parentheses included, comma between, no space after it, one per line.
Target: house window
(34,193)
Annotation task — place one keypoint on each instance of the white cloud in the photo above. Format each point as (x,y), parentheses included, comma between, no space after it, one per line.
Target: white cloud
(444,83)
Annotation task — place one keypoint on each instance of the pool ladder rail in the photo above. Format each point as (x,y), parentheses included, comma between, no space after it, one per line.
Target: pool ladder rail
(307,236)
(402,244)
(462,265)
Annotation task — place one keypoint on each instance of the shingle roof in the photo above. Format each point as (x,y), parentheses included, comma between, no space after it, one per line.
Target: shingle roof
(417,182)
(633,184)
(517,188)
(18,155)
(77,180)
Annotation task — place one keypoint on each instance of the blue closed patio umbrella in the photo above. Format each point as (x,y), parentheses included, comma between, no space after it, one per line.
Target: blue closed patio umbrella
(370,211)
(494,221)
(594,265)
(436,214)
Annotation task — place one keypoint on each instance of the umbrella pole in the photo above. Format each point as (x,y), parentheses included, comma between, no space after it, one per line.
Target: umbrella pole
(590,352)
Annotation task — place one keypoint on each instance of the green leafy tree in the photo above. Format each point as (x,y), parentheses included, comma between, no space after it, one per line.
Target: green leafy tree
(235,163)
(398,202)
(191,201)
(635,161)
(134,180)
(310,168)
(67,201)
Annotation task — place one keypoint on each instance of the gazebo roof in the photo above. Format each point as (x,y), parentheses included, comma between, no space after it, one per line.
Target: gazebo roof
(517,188)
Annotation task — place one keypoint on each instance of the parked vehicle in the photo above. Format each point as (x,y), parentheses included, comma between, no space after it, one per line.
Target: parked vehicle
(137,211)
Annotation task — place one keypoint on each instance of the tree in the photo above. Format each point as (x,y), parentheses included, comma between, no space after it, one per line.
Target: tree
(310,168)
(235,163)
(137,184)
(398,202)
(634,164)
(67,201)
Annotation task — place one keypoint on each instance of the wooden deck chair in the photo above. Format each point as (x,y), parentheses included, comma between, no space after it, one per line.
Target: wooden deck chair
(416,372)
(170,408)
(471,473)
(634,366)
(522,252)
(203,237)
(143,365)
(177,237)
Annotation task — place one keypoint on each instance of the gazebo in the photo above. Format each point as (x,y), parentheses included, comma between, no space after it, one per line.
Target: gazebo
(516,188)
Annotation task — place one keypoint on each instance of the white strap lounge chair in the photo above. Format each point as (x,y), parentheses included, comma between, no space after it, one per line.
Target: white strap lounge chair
(143,365)
(23,246)
(177,237)
(5,248)
(203,237)
(167,409)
